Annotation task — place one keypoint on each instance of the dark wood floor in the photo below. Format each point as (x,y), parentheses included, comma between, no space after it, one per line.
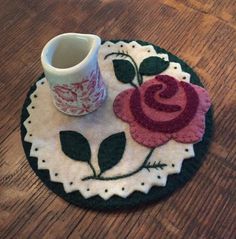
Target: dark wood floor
(203,33)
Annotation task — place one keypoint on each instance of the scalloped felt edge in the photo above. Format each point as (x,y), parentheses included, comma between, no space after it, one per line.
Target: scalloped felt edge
(189,167)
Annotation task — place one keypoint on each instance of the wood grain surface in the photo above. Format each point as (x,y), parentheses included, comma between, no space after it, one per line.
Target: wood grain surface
(201,32)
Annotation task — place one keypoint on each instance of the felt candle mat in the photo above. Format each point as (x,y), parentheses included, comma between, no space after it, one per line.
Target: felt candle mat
(146,141)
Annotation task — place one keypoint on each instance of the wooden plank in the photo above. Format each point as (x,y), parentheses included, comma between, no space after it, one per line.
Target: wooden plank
(201,32)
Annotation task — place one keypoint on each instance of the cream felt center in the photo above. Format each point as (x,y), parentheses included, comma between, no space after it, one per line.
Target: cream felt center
(129,174)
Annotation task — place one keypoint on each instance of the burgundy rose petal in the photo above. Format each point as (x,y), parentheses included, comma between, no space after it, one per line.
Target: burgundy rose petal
(171,85)
(153,103)
(170,126)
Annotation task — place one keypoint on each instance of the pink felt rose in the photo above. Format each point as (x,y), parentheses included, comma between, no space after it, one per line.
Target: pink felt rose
(163,109)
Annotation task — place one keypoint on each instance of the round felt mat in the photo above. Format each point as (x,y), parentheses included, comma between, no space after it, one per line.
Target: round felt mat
(94,161)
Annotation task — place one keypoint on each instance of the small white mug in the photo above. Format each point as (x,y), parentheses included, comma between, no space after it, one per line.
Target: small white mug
(70,63)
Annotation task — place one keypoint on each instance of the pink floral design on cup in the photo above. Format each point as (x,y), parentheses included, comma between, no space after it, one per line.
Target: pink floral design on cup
(162,109)
(70,63)
(90,92)
(65,93)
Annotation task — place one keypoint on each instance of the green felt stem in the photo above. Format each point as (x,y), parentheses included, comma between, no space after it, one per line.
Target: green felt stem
(155,166)
(144,165)
(131,83)
(91,166)
(139,76)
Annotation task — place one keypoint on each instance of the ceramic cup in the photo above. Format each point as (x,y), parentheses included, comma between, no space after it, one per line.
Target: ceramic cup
(70,63)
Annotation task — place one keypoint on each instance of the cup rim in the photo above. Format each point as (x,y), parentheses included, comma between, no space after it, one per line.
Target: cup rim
(50,68)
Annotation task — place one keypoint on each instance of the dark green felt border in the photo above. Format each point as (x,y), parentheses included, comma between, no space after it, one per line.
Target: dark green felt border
(175,181)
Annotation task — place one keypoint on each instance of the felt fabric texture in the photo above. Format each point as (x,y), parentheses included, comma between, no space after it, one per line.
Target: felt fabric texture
(111,151)
(153,66)
(70,191)
(75,146)
(176,112)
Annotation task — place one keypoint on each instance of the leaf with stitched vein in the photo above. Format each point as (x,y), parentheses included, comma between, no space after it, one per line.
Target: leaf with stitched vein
(124,71)
(111,151)
(75,146)
(153,66)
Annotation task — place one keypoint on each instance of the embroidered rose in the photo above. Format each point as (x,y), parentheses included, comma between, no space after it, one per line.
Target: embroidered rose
(162,109)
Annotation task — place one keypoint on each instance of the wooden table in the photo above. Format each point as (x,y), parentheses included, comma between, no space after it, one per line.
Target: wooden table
(203,33)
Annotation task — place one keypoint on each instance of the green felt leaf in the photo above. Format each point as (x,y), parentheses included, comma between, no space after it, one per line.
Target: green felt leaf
(75,146)
(111,151)
(124,71)
(152,66)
